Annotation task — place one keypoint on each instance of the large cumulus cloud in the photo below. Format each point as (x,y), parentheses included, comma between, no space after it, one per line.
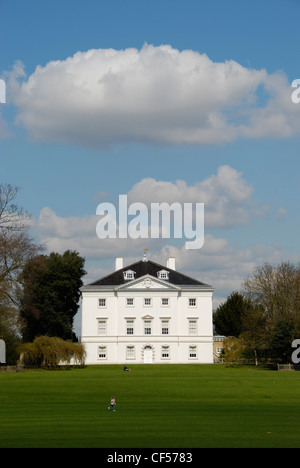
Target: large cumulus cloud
(154,95)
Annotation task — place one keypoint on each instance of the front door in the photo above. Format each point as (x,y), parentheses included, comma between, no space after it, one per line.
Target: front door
(148,355)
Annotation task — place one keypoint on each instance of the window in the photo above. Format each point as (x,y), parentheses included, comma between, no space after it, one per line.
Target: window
(147,302)
(130,352)
(129,301)
(129,275)
(129,327)
(165,302)
(102,352)
(165,352)
(101,327)
(163,274)
(193,352)
(192,327)
(147,327)
(192,302)
(102,302)
(165,327)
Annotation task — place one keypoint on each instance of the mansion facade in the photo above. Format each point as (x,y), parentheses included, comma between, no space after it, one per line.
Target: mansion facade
(147,313)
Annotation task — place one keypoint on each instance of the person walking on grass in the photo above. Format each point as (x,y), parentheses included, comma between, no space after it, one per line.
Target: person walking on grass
(112,404)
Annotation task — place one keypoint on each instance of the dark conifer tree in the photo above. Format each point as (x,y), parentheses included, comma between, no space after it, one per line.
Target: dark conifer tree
(51,292)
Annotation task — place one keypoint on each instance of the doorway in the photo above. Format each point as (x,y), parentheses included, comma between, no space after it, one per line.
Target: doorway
(148,355)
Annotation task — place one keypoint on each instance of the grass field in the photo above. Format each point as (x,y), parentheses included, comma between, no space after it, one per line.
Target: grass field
(169,406)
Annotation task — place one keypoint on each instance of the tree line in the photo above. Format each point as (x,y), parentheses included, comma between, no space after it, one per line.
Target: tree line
(262,320)
(39,293)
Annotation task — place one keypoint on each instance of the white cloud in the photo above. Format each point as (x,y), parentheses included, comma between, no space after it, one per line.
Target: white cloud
(281,214)
(154,95)
(79,233)
(4,130)
(226,196)
(219,262)
(222,264)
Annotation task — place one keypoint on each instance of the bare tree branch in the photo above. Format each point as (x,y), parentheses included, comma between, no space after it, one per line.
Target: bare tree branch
(12,217)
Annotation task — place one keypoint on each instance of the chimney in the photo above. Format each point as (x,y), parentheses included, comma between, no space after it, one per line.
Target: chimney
(119,263)
(171,263)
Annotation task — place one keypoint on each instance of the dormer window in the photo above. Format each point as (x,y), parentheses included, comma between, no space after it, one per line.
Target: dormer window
(129,275)
(163,274)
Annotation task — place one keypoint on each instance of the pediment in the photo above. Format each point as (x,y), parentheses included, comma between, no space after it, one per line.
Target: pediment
(147,317)
(147,282)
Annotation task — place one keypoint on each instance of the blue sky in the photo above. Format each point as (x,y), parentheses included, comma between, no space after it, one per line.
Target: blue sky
(254,203)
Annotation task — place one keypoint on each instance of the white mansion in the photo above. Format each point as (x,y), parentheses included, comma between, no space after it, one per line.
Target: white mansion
(147,313)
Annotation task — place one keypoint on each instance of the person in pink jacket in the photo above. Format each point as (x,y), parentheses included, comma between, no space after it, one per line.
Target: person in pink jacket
(112,404)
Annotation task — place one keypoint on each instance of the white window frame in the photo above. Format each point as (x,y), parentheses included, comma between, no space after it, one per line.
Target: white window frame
(192,302)
(129,325)
(167,303)
(193,326)
(129,299)
(102,349)
(165,327)
(165,352)
(147,327)
(150,301)
(130,352)
(163,274)
(104,304)
(129,275)
(193,352)
(103,328)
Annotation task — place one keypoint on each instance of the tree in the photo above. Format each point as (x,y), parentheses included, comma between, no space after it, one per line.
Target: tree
(276,289)
(233,349)
(281,341)
(51,351)
(16,248)
(12,216)
(273,323)
(228,316)
(255,331)
(51,292)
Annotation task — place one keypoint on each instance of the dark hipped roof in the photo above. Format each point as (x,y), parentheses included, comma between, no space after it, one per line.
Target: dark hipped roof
(143,268)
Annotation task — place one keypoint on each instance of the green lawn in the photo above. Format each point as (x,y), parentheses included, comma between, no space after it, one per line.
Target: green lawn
(168,406)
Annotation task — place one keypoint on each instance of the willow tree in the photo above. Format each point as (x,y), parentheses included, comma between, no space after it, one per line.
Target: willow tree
(50,352)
